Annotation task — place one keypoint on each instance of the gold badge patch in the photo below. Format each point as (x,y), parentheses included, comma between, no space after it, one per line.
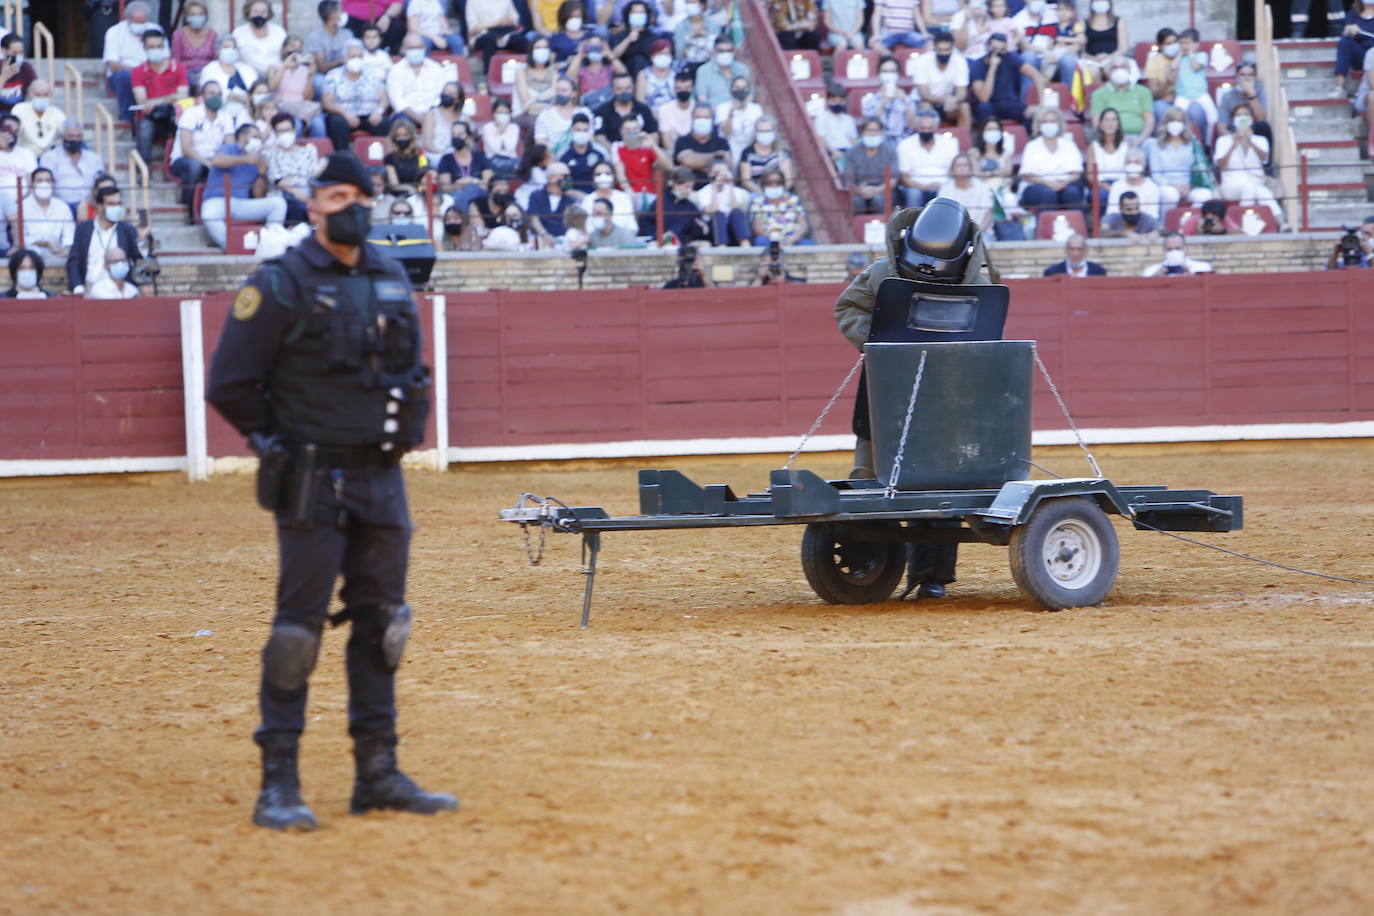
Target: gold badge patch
(246,303)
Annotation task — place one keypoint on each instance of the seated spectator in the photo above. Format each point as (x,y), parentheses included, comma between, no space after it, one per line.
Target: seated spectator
(292,81)
(632,44)
(459,232)
(938,14)
(242,161)
(1172,153)
(354,99)
(682,218)
(464,170)
(654,83)
(634,159)
(549,203)
(573,27)
(1051,166)
(1105,37)
(16,165)
(1033,31)
(93,205)
(48,222)
(94,237)
(796,23)
(942,82)
(1190,84)
(845,25)
(259,39)
(436,130)
(1135,182)
(691,273)
(376,58)
(778,214)
(1241,157)
(621,203)
(591,72)
(1107,155)
(924,159)
(533,172)
(414,83)
(869,167)
(40,121)
(1213,218)
(406,163)
(159,84)
(1176,262)
(1076,263)
(582,156)
(1161,70)
(974,27)
(714,79)
(694,37)
(725,207)
(622,105)
(575,234)
(387,19)
(553,127)
(534,82)
(487,212)
(195,44)
(426,18)
(897,23)
(702,147)
(994,153)
(232,77)
(737,118)
(74,166)
(604,232)
(1130,221)
(327,42)
(998,82)
(836,126)
(675,117)
(264,109)
(1130,101)
(764,155)
(1061,59)
(1357,39)
(1248,89)
(26,275)
(772,268)
(115,284)
(291,165)
(961,185)
(381,200)
(123,52)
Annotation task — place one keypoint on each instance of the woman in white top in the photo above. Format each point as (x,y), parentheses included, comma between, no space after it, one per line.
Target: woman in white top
(534,82)
(501,139)
(26,273)
(968,190)
(725,206)
(737,118)
(436,133)
(1052,166)
(259,39)
(622,205)
(554,123)
(235,78)
(1135,180)
(1241,156)
(1107,153)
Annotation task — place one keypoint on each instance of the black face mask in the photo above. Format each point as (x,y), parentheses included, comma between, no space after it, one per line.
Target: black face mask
(1130,219)
(72,146)
(402,142)
(502,200)
(258,21)
(453,228)
(624,98)
(460,144)
(684,94)
(942,59)
(837,108)
(926,135)
(449,101)
(740,94)
(349,226)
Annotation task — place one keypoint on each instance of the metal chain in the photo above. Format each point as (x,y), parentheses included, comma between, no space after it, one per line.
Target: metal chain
(819,420)
(532,554)
(1092,462)
(906,427)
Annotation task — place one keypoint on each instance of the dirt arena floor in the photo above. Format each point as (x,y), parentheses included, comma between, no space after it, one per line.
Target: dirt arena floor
(719,741)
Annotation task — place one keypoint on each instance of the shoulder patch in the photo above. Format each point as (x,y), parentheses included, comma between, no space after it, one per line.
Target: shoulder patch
(246,303)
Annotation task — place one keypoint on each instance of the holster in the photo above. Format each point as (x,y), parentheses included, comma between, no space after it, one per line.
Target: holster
(273,463)
(303,490)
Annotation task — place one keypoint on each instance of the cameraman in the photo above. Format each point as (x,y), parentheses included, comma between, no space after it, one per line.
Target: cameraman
(690,272)
(1354,248)
(773,269)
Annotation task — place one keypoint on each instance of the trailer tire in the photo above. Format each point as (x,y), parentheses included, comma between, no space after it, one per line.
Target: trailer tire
(850,572)
(1066,554)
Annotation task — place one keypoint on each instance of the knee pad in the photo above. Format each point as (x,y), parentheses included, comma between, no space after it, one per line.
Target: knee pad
(395,632)
(289,656)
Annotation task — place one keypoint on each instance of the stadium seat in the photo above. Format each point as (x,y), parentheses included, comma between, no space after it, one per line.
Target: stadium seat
(870,230)
(1079,136)
(242,238)
(501,73)
(855,98)
(1187,220)
(477,108)
(906,66)
(959,133)
(371,150)
(1236,218)
(1062,98)
(856,69)
(805,69)
(1142,53)
(1017,132)
(1046,220)
(1226,52)
(462,66)
(323,145)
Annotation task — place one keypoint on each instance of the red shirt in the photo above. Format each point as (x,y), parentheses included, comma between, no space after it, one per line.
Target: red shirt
(158,84)
(639,167)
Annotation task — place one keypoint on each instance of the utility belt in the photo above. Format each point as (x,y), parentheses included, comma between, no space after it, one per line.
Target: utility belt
(290,478)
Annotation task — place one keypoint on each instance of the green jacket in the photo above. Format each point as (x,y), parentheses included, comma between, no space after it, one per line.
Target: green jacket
(854,308)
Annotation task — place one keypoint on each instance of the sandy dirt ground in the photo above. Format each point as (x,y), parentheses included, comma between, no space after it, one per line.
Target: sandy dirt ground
(719,741)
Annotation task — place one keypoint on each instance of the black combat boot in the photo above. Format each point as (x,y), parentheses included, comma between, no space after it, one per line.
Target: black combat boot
(380,785)
(279,804)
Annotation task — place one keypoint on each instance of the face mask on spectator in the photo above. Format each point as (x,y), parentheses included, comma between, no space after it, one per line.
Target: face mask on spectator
(415,56)
(1172,50)
(693,10)
(455,229)
(343,19)
(252,146)
(158,55)
(228,55)
(837,107)
(562,98)
(1130,219)
(887,77)
(138,28)
(118,269)
(40,105)
(725,58)
(925,136)
(286,140)
(772,191)
(624,98)
(581,137)
(540,56)
(702,125)
(942,59)
(196,21)
(639,20)
(597,223)
(1134,169)
(604,181)
(258,21)
(575,24)
(27,279)
(1050,129)
(1121,76)
(114,212)
(1174,128)
(663,61)
(42,190)
(766,137)
(992,135)
(1102,7)
(1174,257)
(502,118)
(684,95)
(460,144)
(1243,122)
(403,143)
(595,56)
(740,94)
(258,97)
(354,65)
(872,141)
(448,101)
(72,146)
(401,219)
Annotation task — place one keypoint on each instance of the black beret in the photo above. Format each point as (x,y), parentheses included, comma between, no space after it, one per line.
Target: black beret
(343,168)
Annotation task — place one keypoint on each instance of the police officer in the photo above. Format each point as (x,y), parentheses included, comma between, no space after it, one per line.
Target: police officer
(320,367)
(934,244)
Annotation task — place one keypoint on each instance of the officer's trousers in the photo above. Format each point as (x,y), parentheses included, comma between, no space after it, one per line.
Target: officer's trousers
(370,550)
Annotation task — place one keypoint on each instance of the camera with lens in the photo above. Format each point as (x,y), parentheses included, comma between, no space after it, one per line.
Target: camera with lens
(1348,249)
(775,258)
(686,262)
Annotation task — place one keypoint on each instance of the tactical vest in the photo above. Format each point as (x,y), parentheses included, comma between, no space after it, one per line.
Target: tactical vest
(350,372)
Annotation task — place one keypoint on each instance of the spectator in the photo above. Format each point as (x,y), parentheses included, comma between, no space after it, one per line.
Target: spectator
(1107,155)
(632,44)
(694,36)
(1248,89)
(622,106)
(938,14)
(573,29)
(714,79)
(1357,39)
(387,18)
(381,200)
(942,82)
(123,52)
(533,172)
(1173,153)
(1176,262)
(855,264)
(534,82)
(94,237)
(968,190)
(159,84)
(48,223)
(354,99)
(493,27)
(1076,263)
(40,122)
(1135,182)
(73,165)
(1161,69)
(291,164)
(924,159)
(1033,33)
(621,203)
(890,105)
(92,206)
(835,126)
(488,212)
(1241,157)
(501,139)
(846,25)
(549,203)
(426,18)
(675,117)
(292,81)
(1051,166)
(459,232)
(592,73)
(16,165)
(691,273)
(897,23)
(795,23)
(575,233)
(115,284)
(634,159)
(581,156)
(553,127)
(654,83)
(201,130)
(1130,101)
(195,44)
(376,58)
(436,130)
(869,168)
(702,147)
(1130,221)
(725,207)
(738,118)
(26,275)
(259,39)
(1061,60)
(1354,252)
(682,218)
(241,161)
(778,214)
(464,171)
(998,82)
(402,212)
(605,232)
(327,43)
(1190,84)
(1213,218)
(765,154)
(406,163)
(262,105)
(773,268)
(1105,36)
(994,154)
(414,83)
(973,28)
(233,78)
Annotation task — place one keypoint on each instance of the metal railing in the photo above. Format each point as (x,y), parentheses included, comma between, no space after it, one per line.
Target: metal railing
(42,38)
(73,90)
(140,182)
(12,11)
(1284,155)
(105,134)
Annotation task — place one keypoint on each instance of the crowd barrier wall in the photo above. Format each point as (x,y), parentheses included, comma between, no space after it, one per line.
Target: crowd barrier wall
(110,386)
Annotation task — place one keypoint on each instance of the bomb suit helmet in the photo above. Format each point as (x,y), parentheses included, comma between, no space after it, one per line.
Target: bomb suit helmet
(938,246)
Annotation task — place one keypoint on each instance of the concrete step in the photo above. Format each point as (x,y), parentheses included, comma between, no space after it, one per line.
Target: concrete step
(1333,214)
(1348,152)
(1327,129)
(1308,87)
(1335,172)
(1316,51)
(180,238)
(1306,111)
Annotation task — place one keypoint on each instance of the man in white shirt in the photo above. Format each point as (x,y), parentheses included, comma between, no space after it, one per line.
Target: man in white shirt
(73,165)
(942,82)
(115,282)
(1176,262)
(40,121)
(413,84)
(123,52)
(16,165)
(201,130)
(924,159)
(47,222)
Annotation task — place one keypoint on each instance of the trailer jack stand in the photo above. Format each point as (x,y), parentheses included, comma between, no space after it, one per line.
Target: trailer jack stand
(591,546)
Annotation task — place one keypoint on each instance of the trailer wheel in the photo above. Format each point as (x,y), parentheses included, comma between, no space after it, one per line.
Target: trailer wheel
(1066,554)
(850,572)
